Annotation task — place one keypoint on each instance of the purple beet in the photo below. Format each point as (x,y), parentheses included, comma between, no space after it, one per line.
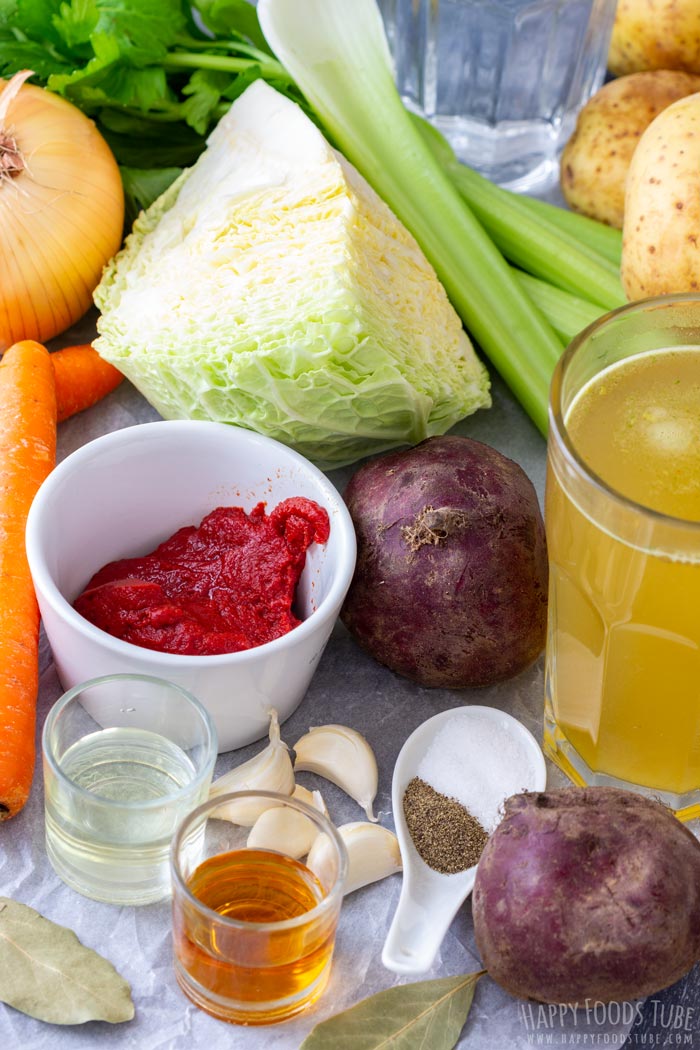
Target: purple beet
(450,587)
(587,894)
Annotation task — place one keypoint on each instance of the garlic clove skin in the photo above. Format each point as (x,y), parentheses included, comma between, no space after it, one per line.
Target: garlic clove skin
(343,756)
(373,854)
(270,770)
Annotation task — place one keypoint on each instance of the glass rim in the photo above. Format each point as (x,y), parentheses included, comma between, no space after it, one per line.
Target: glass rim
(211,743)
(326,826)
(557,424)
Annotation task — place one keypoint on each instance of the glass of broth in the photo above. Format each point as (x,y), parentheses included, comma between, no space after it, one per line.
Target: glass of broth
(257,887)
(622,513)
(125,757)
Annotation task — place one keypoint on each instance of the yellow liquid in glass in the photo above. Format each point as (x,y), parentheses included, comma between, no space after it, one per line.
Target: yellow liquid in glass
(624,644)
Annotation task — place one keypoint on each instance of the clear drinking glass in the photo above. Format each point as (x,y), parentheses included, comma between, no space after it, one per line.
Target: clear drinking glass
(125,757)
(254,924)
(622,703)
(502,79)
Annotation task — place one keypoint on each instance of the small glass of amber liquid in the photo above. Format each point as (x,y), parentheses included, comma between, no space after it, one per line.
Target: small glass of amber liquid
(253,925)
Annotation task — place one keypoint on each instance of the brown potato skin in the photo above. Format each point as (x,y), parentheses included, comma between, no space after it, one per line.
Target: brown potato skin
(587,893)
(469,609)
(655,34)
(661,229)
(596,159)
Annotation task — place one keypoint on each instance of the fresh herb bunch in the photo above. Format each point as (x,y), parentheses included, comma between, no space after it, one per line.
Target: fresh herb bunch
(155,75)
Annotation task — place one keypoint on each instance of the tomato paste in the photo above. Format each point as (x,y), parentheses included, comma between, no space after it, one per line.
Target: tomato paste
(220,587)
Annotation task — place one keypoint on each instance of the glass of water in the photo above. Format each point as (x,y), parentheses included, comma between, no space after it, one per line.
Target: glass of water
(125,758)
(503,80)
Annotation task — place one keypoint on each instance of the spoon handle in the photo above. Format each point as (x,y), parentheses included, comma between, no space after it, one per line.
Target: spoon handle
(421,921)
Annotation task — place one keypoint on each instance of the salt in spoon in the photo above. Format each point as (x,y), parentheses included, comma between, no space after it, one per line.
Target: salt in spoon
(430,900)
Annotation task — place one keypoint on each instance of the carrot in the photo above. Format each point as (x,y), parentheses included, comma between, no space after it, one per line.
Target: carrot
(27,454)
(82,379)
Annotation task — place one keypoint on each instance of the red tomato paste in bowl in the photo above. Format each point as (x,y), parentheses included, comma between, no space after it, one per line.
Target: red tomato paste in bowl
(225,585)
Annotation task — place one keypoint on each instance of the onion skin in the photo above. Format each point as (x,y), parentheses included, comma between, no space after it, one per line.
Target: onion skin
(61,217)
(450,588)
(587,894)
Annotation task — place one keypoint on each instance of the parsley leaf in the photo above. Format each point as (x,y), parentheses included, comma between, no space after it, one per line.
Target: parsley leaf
(224,17)
(204,90)
(144,185)
(155,75)
(18,54)
(76,22)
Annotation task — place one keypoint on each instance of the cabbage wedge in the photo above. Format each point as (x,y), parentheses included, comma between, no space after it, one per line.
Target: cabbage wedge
(337,52)
(270,287)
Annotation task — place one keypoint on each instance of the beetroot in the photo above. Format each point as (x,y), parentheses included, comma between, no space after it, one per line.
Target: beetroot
(450,587)
(587,893)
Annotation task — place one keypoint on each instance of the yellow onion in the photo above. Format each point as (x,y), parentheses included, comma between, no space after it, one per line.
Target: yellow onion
(61,212)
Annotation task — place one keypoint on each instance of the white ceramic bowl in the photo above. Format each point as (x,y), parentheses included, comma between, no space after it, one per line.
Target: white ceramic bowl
(124,493)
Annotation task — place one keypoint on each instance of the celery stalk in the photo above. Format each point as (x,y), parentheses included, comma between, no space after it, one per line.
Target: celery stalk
(567,314)
(337,53)
(605,240)
(539,246)
(532,242)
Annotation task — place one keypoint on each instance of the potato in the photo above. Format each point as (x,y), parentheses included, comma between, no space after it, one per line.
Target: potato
(655,34)
(661,229)
(595,160)
(587,894)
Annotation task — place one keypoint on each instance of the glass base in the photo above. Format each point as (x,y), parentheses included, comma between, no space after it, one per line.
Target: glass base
(249,1013)
(103,878)
(565,756)
(522,156)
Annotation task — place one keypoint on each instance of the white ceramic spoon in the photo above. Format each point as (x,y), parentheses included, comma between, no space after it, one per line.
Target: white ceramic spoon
(429,901)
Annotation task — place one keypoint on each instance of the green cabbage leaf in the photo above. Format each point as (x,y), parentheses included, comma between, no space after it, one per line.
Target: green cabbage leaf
(270,287)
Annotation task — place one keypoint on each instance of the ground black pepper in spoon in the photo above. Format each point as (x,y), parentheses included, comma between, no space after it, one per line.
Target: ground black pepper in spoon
(446,835)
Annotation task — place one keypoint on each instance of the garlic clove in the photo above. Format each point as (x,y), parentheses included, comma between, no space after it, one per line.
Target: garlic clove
(270,770)
(343,756)
(284,830)
(311,798)
(373,854)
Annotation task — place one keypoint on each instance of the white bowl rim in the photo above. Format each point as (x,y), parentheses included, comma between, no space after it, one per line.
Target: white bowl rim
(46,586)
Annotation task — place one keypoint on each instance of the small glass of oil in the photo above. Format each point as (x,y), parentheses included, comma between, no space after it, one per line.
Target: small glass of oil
(257,888)
(125,757)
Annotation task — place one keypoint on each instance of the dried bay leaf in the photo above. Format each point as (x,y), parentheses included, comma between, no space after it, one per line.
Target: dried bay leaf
(48,974)
(425,1014)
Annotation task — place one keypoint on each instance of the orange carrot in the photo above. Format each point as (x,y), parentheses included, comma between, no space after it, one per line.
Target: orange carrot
(82,379)
(27,454)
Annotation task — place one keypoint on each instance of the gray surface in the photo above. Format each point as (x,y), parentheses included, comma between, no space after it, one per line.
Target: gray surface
(349,688)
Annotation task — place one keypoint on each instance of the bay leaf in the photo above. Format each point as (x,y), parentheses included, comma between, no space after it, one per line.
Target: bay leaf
(48,974)
(423,1014)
